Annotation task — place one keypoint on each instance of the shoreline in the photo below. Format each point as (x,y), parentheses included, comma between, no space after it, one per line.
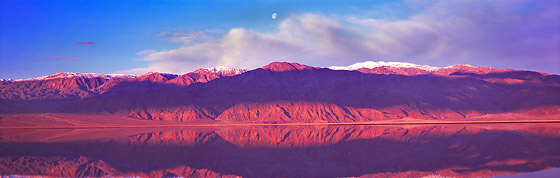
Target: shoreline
(287,124)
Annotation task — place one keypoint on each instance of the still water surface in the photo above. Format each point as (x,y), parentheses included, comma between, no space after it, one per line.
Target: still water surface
(287,151)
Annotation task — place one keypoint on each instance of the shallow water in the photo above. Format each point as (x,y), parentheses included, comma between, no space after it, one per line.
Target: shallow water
(287,151)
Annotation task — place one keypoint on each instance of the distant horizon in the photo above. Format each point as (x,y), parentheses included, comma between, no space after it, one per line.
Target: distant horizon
(178,37)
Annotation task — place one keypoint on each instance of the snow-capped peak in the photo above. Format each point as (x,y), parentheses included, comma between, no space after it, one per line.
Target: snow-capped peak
(121,75)
(372,64)
(221,70)
(6,80)
(163,74)
(73,74)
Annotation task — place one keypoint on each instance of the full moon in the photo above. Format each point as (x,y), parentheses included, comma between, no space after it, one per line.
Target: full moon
(274,15)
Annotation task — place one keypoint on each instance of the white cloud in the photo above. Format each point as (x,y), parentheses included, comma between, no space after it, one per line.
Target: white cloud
(146,52)
(496,33)
(191,37)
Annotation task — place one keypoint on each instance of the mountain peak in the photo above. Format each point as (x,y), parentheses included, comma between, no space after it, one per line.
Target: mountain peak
(162,74)
(62,75)
(372,65)
(222,71)
(156,77)
(286,66)
(404,68)
(65,75)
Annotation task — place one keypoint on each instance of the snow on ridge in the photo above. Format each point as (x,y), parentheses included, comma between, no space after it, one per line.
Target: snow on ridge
(458,65)
(122,75)
(6,80)
(372,64)
(164,74)
(220,70)
(66,75)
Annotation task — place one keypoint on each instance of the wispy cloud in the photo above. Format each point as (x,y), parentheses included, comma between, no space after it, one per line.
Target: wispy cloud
(59,58)
(495,33)
(84,43)
(146,52)
(54,58)
(190,37)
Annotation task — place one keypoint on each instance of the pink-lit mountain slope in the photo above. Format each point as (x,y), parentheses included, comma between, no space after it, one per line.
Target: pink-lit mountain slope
(66,85)
(283,92)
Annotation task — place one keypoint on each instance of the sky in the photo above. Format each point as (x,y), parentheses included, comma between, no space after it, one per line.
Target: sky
(39,38)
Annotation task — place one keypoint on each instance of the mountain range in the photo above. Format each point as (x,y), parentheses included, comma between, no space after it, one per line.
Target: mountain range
(283,92)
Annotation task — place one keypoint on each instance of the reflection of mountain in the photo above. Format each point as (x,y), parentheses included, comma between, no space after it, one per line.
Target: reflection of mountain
(291,92)
(308,151)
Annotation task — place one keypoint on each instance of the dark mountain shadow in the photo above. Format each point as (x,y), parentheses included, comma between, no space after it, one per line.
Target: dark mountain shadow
(426,93)
(343,88)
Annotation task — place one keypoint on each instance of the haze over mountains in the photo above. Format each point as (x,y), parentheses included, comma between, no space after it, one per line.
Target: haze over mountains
(283,92)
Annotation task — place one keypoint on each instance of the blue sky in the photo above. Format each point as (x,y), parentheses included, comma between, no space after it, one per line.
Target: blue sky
(43,37)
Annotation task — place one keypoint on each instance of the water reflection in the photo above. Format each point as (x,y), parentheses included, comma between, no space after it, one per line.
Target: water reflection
(303,151)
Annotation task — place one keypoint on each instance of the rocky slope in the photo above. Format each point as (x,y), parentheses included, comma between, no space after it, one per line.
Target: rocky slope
(290,92)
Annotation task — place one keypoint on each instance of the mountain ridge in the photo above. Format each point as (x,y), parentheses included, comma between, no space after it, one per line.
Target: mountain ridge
(283,92)
(284,66)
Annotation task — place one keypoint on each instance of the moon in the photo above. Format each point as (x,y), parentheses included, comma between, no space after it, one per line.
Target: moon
(274,15)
